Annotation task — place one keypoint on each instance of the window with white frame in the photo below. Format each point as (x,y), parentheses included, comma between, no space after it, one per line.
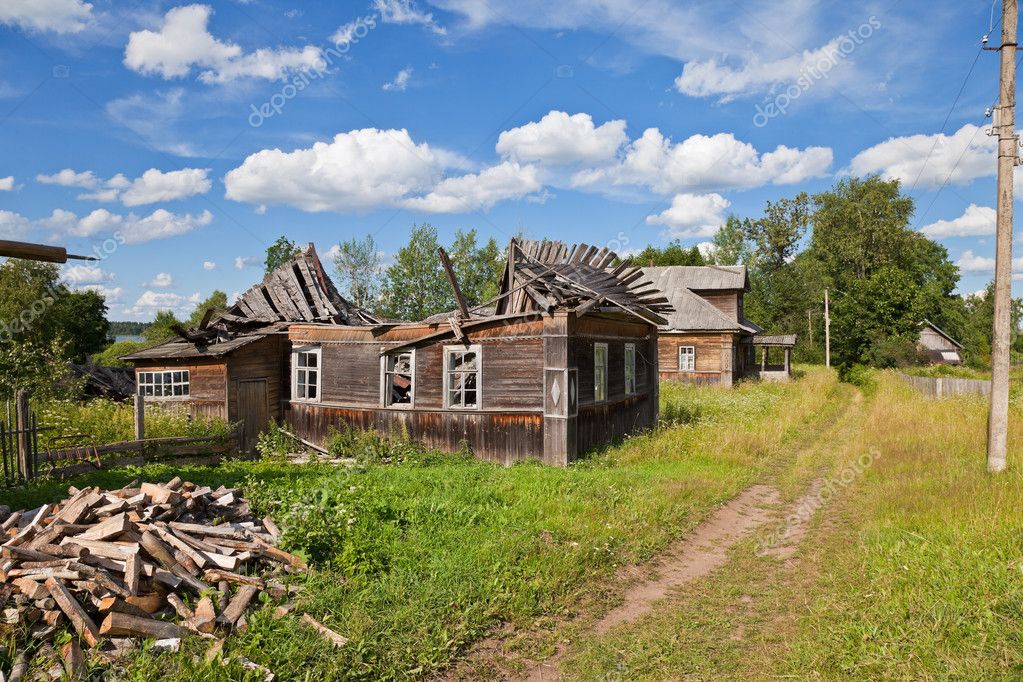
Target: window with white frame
(687,358)
(462,376)
(163,384)
(630,368)
(399,377)
(305,373)
(599,372)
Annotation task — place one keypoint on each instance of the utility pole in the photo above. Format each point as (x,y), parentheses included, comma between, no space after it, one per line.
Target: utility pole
(809,326)
(1005,125)
(827,331)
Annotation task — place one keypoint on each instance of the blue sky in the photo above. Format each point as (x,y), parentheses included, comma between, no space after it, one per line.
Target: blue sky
(178,140)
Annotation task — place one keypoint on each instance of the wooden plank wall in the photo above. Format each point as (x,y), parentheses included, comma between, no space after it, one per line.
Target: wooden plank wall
(713,357)
(263,359)
(207,385)
(727,301)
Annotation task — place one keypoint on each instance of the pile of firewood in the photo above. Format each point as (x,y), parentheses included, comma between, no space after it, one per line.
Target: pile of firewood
(154,561)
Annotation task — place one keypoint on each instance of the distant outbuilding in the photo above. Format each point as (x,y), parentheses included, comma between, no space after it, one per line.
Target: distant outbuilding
(939,347)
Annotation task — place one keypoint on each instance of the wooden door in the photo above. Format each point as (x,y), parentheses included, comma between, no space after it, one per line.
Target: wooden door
(253,410)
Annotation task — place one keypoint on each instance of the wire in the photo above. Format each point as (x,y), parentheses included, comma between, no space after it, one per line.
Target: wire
(947,117)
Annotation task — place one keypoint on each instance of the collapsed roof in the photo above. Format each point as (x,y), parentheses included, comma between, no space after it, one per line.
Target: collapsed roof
(296,291)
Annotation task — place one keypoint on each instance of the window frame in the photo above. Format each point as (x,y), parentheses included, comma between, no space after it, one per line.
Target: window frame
(385,394)
(602,395)
(630,368)
(185,383)
(295,352)
(448,352)
(690,354)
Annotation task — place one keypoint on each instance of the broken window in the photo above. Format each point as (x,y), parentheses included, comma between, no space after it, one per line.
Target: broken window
(168,384)
(462,377)
(687,358)
(305,363)
(630,368)
(599,372)
(398,378)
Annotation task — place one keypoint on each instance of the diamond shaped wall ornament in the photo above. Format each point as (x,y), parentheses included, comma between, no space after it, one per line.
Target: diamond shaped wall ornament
(556,392)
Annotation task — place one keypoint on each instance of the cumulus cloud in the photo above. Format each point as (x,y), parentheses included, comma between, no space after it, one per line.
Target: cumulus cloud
(406,12)
(13,225)
(58,16)
(162,280)
(242,262)
(86,274)
(183,41)
(960,157)
(110,294)
(560,139)
(7,184)
(711,78)
(975,221)
(692,215)
(70,178)
(702,162)
(474,191)
(358,170)
(152,186)
(400,82)
(209,265)
(152,301)
(134,229)
(970,262)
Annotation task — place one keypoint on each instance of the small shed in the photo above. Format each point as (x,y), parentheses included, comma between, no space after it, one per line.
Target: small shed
(777,370)
(939,347)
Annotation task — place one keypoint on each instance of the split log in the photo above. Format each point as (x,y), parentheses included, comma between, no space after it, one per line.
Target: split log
(124,625)
(331,636)
(80,620)
(238,604)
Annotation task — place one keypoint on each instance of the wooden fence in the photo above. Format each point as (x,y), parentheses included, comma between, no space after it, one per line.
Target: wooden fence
(939,387)
(75,454)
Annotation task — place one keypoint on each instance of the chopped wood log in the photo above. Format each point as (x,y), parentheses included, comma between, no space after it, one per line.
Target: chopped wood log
(160,494)
(30,588)
(118,605)
(238,604)
(205,617)
(214,576)
(109,528)
(179,606)
(150,603)
(132,572)
(74,660)
(80,620)
(284,557)
(223,594)
(328,634)
(124,625)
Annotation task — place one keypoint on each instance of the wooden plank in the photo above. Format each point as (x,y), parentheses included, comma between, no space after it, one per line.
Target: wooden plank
(238,604)
(75,613)
(125,625)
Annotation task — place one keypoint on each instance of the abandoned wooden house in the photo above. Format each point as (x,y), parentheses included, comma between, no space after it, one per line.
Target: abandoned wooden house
(234,367)
(564,360)
(938,347)
(706,338)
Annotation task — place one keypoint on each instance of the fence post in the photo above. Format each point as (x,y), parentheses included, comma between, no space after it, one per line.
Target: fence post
(25,465)
(140,422)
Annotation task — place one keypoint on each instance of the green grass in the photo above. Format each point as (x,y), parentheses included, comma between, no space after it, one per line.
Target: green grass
(416,561)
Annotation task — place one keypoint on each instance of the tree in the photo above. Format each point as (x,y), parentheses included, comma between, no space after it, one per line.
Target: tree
(775,237)
(160,329)
(82,320)
(358,268)
(217,301)
(40,368)
(476,268)
(415,285)
(280,252)
(672,254)
(730,245)
(110,356)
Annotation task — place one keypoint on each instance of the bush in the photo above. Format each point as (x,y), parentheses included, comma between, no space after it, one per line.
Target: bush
(109,356)
(370,447)
(275,444)
(895,352)
(857,375)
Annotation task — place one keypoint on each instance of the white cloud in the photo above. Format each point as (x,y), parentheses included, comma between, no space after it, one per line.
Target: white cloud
(406,12)
(710,78)
(70,178)
(13,225)
(155,185)
(242,262)
(159,118)
(692,215)
(152,301)
(966,154)
(976,221)
(7,184)
(209,265)
(59,16)
(358,170)
(474,191)
(162,280)
(701,162)
(970,262)
(183,42)
(400,82)
(86,274)
(110,294)
(161,224)
(560,139)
